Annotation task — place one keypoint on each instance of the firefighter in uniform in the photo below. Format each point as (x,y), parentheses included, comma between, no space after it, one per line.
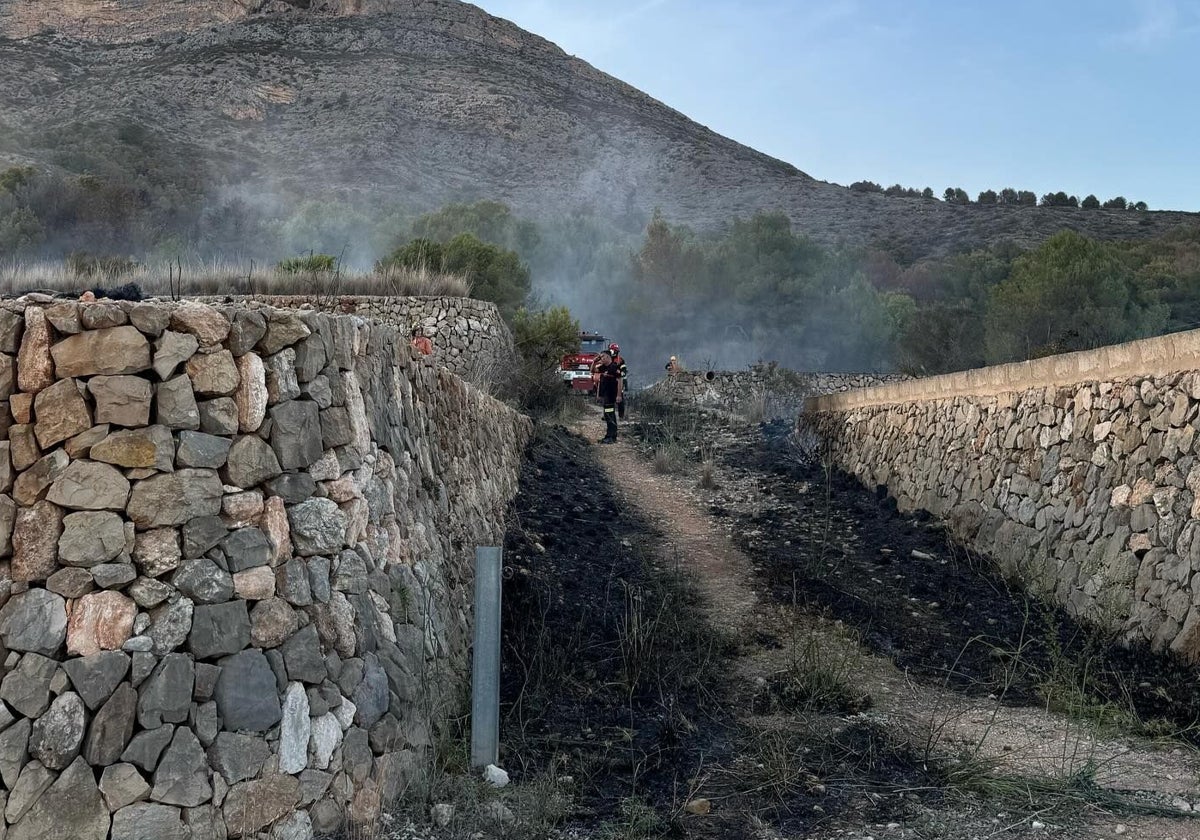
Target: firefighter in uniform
(611,392)
(619,360)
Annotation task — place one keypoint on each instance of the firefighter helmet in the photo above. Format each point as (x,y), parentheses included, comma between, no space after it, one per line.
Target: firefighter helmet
(613,348)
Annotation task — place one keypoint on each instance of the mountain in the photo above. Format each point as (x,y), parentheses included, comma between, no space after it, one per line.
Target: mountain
(427,102)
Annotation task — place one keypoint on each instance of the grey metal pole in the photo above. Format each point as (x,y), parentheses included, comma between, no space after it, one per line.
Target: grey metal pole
(485,658)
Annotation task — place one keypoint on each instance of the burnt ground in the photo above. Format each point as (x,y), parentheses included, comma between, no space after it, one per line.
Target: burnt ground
(940,611)
(625,695)
(612,677)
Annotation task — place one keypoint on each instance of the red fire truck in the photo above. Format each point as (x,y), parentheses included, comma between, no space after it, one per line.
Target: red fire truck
(576,368)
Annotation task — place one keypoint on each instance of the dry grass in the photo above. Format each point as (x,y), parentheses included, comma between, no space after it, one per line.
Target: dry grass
(227,278)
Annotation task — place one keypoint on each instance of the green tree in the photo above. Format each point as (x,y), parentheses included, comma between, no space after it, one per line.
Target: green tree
(1071,293)
(1118,203)
(493,273)
(542,338)
(987,197)
(1090,203)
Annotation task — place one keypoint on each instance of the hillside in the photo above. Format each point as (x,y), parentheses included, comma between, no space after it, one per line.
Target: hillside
(428,101)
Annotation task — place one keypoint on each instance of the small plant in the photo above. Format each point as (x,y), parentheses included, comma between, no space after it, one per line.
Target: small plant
(312,264)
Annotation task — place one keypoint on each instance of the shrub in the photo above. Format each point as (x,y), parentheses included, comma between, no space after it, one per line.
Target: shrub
(542,338)
(312,264)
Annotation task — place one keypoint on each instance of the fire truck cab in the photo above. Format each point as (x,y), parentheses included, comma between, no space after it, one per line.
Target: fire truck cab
(576,369)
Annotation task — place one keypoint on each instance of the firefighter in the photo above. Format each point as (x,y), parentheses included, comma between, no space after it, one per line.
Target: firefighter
(619,360)
(672,366)
(612,392)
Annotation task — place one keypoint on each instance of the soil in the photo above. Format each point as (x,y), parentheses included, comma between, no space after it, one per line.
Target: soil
(734,631)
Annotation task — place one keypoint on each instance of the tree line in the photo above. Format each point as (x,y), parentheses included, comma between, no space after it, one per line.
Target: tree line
(1006,197)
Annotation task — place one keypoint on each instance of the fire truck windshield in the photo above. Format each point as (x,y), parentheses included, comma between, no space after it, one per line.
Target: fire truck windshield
(592,345)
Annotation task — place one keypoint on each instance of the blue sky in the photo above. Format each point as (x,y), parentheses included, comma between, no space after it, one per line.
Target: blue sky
(1086,96)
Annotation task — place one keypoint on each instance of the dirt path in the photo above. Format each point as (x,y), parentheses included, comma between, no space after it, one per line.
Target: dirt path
(1019,742)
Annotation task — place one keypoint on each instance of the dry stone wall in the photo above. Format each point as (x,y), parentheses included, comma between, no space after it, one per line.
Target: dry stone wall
(237,544)
(1078,473)
(774,392)
(469,336)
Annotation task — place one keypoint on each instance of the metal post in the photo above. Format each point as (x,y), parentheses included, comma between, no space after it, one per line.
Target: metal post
(485,659)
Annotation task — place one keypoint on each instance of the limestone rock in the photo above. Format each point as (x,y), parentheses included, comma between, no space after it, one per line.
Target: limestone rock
(176,404)
(303,657)
(27,689)
(171,350)
(71,807)
(113,575)
(197,449)
(95,677)
(23,448)
(99,316)
(248,327)
(201,320)
(148,593)
(34,620)
(150,318)
(238,757)
(71,582)
(89,485)
(58,734)
(32,484)
(170,625)
(201,534)
(147,747)
(318,526)
(14,751)
(35,365)
(176,498)
(256,584)
(242,510)
(272,622)
(251,396)
(81,445)
(110,352)
(36,532)
(12,325)
(90,537)
(295,826)
(151,447)
(283,330)
(281,377)
(121,400)
(219,416)
(157,552)
(294,730)
(61,412)
(219,629)
(213,374)
(275,526)
(182,776)
(35,779)
(100,621)
(250,806)
(149,821)
(203,581)
(246,695)
(251,462)
(292,488)
(326,738)
(166,695)
(121,785)
(246,548)
(296,433)
(112,728)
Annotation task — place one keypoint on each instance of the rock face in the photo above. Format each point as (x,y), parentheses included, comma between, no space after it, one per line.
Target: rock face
(190,604)
(1081,485)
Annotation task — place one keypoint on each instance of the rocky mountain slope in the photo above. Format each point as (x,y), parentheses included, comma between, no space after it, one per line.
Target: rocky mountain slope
(429,101)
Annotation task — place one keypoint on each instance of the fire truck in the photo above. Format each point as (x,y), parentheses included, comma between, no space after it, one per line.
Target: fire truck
(576,368)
